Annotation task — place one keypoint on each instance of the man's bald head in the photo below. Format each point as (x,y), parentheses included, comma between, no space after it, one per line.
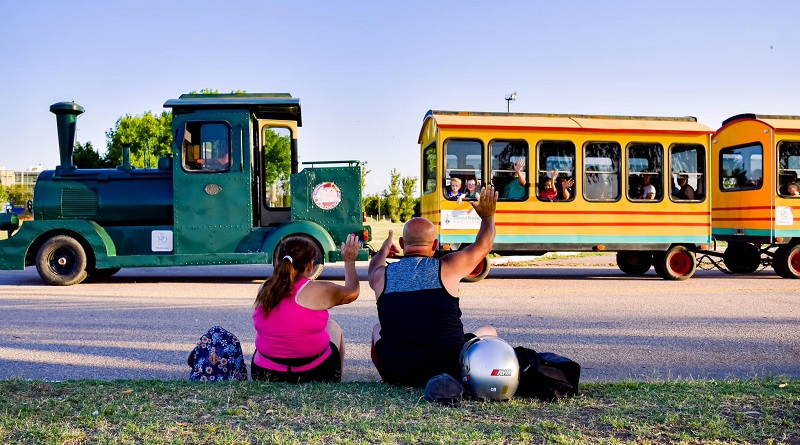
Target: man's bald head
(418,233)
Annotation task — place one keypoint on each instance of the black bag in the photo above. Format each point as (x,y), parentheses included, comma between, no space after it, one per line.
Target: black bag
(545,375)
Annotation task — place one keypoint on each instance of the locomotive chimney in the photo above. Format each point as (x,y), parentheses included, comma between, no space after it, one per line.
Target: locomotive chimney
(66,116)
(126,158)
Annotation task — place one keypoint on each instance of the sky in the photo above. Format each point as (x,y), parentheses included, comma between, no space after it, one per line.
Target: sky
(366,72)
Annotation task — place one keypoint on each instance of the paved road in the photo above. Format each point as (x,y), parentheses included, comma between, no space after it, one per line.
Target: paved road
(142,323)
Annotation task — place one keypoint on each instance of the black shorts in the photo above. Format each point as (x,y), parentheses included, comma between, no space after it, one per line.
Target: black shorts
(418,374)
(329,370)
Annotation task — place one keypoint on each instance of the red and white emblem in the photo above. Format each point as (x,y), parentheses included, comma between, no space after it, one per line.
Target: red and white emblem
(327,195)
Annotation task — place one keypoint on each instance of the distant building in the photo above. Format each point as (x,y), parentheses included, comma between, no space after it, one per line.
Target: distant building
(9,178)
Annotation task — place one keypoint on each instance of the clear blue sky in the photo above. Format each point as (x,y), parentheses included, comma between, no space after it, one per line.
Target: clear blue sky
(366,72)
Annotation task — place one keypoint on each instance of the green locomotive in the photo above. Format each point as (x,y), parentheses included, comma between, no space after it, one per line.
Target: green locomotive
(216,200)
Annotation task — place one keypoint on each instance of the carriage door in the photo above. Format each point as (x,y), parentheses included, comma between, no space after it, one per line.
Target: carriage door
(213,210)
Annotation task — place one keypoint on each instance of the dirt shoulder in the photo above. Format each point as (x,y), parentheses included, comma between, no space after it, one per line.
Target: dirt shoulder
(558,260)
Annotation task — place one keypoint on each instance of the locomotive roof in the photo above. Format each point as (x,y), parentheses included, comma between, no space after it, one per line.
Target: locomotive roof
(530,121)
(777,122)
(263,105)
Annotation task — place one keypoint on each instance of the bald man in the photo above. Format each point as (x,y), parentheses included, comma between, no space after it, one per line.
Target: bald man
(420,334)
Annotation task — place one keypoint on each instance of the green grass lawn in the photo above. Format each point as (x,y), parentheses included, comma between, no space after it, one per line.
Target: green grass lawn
(757,411)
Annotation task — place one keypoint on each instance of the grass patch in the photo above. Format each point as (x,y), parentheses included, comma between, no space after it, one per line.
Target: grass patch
(686,411)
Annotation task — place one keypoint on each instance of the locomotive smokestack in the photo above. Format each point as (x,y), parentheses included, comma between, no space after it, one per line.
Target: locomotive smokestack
(66,116)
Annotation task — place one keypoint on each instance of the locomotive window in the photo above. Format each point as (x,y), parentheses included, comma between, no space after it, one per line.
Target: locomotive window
(429,169)
(688,172)
(556,158)
(645,172)
(601,171)
(505,155)
(788,169)
(276,143)
(206,147)
(463,160)
(741,168)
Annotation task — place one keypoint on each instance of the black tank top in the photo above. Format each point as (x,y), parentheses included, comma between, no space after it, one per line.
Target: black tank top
(421,329)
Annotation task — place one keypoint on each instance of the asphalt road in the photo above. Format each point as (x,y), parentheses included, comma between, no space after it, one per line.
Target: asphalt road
(142,323)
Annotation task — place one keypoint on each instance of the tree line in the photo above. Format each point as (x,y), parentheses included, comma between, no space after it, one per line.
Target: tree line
(398,202)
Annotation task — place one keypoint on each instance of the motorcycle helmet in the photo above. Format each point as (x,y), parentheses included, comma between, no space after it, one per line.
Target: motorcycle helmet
(489,368)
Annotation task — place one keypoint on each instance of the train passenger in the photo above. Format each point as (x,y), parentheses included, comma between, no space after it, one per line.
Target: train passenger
(549,188)
(685,191)
(564,186)
(791,184)
(420,333)
(793,189)
(472,191)
(455,188)
(648,189)
(515,188)
(296,340)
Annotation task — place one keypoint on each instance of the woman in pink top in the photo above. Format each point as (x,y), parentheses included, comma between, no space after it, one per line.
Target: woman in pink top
(296,341)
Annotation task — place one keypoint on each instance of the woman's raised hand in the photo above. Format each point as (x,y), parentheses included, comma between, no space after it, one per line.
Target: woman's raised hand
(350,248)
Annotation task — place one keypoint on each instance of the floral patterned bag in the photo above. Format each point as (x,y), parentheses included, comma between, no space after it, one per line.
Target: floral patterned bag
(217,357)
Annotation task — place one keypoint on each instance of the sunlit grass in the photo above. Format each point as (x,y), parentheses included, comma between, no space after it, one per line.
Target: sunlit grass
(762,410)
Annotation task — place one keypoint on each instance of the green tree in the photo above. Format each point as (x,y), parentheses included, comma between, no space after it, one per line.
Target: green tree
(393,196)
(277,166)
(3,196)
(375,205)
(20,194)
(364,173)
(85,156)
(408,199)
(150,137)
(277,156)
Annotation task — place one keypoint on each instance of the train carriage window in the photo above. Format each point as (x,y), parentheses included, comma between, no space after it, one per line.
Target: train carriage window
(788,169)
(688,172)
(276,143)
(463,159)
(429,169)
(206,147)
(601,171)
(555,157)
(645,172)
(505,155)
(741,168)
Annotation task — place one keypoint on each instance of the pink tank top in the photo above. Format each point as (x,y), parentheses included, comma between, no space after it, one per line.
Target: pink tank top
(290,330)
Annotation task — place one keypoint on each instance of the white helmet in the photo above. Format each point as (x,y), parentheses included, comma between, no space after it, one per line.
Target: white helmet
(489,368)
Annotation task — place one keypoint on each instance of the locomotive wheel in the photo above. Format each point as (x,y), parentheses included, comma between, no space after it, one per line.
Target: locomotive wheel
(61,261)
(634,263)
(743,258)
(677,263)
(786,261)
(479,273)
(319,263)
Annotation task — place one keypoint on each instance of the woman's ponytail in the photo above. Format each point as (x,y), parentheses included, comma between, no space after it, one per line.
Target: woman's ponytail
(295,254)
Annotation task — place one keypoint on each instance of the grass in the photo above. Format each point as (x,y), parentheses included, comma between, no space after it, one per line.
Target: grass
(761,410)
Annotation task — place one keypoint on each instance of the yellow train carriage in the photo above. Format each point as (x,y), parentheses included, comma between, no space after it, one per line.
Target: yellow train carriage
(572,183)
(756,161)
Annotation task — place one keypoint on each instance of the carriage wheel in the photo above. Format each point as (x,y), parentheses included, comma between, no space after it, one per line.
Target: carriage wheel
(786,261)
(678,263)
(742,258)
(634,263)
(479,273)
(61,261)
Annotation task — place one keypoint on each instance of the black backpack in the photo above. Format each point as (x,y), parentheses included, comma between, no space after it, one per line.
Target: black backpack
(545,375)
